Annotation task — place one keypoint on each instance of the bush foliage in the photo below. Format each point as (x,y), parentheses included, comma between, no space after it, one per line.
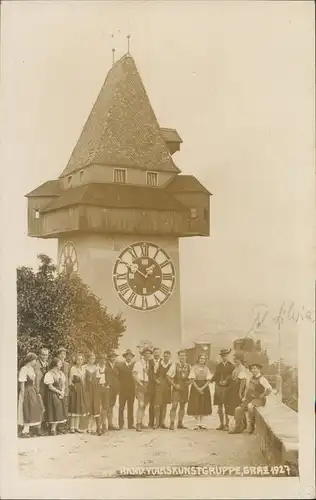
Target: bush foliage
(56,310)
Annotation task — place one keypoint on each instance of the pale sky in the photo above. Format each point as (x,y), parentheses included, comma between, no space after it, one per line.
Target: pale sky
(236,79)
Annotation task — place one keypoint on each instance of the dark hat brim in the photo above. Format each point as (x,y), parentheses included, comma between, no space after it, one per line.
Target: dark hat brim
(224,351)
(146,350)
(126,353)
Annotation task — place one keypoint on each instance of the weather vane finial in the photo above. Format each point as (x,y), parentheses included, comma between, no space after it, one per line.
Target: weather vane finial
(128,43)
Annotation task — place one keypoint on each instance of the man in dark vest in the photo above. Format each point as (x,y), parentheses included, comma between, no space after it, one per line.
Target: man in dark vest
(127,389)
(222,379)
(112,377)
(61,354)
(256,393)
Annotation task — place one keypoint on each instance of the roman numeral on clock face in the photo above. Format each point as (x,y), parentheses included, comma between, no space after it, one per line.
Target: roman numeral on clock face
(121,276)
(144,302)
(158,302)
(164,263)
(144,250)
(164,289)
(123,289)
(132,298)
(167,276)
(132,252)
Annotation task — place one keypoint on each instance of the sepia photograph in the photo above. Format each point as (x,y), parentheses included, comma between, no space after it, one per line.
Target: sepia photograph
(158,227)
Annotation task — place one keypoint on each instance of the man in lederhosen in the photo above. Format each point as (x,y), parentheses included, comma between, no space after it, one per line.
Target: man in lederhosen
(142,387)
(256,395)
(222,379)
(127,389)
(178,375)
(112,377)
(154,364)
(61,354)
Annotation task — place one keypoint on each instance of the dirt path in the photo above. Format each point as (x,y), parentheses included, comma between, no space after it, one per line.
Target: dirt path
(88,456)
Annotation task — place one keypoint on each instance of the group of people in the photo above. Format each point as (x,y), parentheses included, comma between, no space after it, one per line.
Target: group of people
(54,398)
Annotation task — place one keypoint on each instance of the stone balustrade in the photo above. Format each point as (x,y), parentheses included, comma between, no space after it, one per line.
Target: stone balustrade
(277,432)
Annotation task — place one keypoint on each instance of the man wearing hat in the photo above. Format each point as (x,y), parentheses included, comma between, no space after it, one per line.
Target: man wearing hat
(127,389)
(222,377)
(61,354)
(112,377)
(256,393)
(142,389)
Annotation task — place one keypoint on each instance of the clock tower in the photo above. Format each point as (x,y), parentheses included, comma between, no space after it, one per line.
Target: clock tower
(120,207)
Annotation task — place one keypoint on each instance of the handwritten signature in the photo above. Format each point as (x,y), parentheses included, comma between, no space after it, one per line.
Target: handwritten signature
(287,313)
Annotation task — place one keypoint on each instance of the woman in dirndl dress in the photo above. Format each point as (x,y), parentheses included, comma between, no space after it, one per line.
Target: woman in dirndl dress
(55,383)
(76,403)
(200,404)
(30,408)
(92,394)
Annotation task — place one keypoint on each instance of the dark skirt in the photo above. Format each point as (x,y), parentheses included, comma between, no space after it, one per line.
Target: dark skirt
(76,402)
(32,408)
(199,404)
(55,408)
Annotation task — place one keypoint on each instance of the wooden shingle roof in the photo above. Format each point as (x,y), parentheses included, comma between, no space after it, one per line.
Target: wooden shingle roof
(49,188)
(186,184)
(116,195)
(122,128)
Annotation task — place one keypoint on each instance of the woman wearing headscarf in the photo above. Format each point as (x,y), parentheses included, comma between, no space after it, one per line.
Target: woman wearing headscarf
(237,388)
(30,409)
(200,404)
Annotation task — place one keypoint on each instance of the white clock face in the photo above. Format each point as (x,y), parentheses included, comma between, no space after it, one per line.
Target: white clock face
(68,261)
(144,276)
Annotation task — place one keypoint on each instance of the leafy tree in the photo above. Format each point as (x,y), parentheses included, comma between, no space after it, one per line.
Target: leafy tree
(59,309)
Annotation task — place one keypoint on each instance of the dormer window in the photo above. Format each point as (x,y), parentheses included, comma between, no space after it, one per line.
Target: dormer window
(152,178)
(69,180)
(193,213)
(81,175)
(36,213)
(119,175)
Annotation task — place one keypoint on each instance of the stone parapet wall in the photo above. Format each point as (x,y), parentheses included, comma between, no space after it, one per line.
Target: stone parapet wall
(277,432)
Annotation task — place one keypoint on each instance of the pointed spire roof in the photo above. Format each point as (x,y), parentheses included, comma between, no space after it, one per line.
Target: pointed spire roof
(122,128)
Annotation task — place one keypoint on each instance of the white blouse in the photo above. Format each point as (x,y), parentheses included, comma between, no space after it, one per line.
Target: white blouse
(200,372)
(26,371)
(51,377)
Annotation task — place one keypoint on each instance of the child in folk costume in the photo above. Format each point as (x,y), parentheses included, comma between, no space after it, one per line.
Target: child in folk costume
(104,391)
(92,394)
(77,406)
(257,391)
(30,407)
(163,391)
(55,383)
(200,403)
(178,375)
(236,391)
